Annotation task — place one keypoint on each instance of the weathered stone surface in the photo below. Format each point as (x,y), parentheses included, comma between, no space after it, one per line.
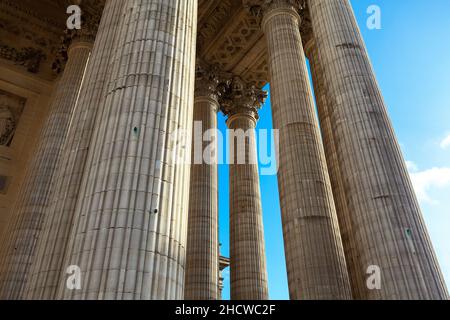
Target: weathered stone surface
(386,219)
(130,227)
(19,249)
(314,254)
(48,271)
(113,200)
(348,239)
(247,246)
(202,258)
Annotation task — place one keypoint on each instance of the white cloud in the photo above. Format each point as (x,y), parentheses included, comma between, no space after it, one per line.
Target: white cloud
(425,181)
(446,142)
(412,167)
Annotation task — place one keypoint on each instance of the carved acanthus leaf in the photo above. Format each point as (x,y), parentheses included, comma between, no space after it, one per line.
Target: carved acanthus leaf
(11,108)
(258,7)
(28,57)
(87,33)
(240,97)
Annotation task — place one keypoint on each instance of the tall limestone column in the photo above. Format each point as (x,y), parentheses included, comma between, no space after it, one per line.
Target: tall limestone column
(130,225)
(202,259)
(386,218)
(247,249)
(358,284)
(48,271)
(314,253)
(19,250)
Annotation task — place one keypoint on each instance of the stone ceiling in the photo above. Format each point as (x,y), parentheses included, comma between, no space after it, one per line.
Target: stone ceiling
(30,33)
(228,35)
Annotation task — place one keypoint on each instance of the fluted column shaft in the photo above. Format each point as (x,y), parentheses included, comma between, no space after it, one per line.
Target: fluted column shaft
(34,195)
(247,248)
(130,226)
(348,238)
(314,253)
(48,270)
(387,221)
(202,259)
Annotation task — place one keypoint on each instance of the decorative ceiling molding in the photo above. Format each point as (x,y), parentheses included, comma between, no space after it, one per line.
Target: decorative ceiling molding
(229,36)
(33,32)
(28,57)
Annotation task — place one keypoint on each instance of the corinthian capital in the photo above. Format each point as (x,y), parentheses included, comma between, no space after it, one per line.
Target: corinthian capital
(241,98)
(89,27)
(207,80)
(259,7)
(87,33)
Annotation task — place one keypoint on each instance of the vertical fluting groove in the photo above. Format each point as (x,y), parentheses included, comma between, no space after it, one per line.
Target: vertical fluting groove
(247,246)
(48,270)
(314,253)
(343,214)
(387,222)
(129,232)
(202,259)
(34,195)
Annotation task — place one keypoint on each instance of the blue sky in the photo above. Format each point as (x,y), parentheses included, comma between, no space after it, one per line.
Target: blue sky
(411,58)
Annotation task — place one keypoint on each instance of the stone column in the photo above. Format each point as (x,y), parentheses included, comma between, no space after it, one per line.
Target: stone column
(130,226)
(386,219)
(358,284)
(314,253)
(33,198)
(48,271)
(202,260)
(247,250)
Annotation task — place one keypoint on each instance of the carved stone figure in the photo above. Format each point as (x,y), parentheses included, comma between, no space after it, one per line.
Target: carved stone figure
(11,108)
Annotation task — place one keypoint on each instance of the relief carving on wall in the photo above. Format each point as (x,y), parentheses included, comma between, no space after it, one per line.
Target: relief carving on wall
(11,108)
(28,39)
(29,57)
